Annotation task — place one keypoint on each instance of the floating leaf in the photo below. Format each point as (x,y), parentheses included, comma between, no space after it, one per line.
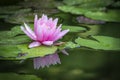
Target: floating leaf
(73,10)
(16,40)
(5,34)
(88,3)
(92,30)
(14,31)
(15,36)
(17,52)
(107,29)
(14,76)
(9,51)
(36,52)
(103,42)
(110,15)
(74,28)
(77,10)
(71,45)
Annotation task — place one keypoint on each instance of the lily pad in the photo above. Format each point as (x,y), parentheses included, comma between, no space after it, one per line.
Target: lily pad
(73,10)
(100,42)
(74,28)
(16,40)
(35,52)
(18,52)
(9,34)
(9,51)
(88,3)
(6,33)
(71,45)
(110,15)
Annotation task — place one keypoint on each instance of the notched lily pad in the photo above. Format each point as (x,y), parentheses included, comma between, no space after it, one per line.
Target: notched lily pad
(18,52)
(36,52)
(109,15)
(100,42)
(71,45)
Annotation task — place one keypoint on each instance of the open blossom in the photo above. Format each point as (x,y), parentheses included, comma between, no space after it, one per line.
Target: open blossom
(46,32)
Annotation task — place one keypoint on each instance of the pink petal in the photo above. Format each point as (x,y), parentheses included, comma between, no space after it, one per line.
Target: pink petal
(44,18)
(61,34)
(54,32)
(46,61)
(34,44)
(50,34)
(47,43)
(55,22)
(35,22)
(45,33)
(50,23)
(39,32)
(28,33)
(29,30)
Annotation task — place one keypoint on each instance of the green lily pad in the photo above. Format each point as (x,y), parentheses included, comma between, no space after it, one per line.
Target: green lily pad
(6,33)
(16,40)
(78,10)
(35,52)
(13,32)
(88,3)
(15,36)
(73,10)
(14,76)
(9,51)
(74,28)
(107,29)
(71,45)
(110,15)
(18,52)
(101,42)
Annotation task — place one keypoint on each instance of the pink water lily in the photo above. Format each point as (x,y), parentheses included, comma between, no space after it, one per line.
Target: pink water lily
(46,32)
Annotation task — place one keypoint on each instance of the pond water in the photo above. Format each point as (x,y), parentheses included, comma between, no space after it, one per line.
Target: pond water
(93,42)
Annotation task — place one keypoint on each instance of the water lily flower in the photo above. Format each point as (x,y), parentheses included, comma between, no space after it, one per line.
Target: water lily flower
(46,32)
